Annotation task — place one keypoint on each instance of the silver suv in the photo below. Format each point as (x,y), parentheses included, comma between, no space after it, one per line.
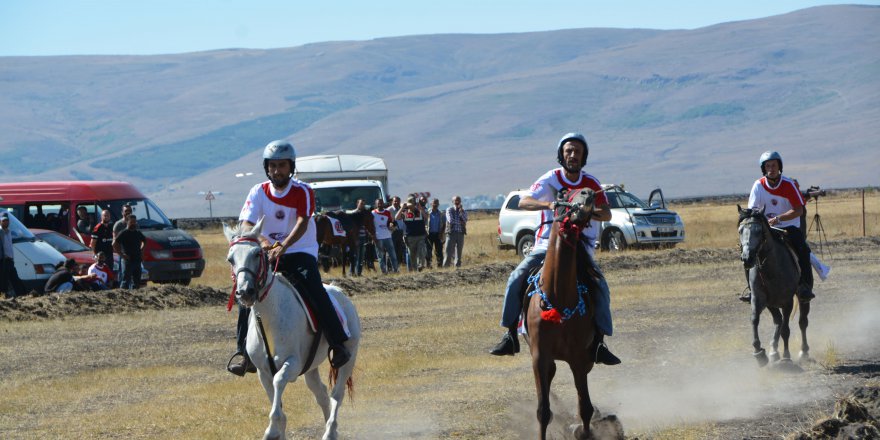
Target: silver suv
(635,223)
(516,227)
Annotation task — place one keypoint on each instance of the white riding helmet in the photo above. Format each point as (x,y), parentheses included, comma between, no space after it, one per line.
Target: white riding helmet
(574,136)
(279,150)
(770,155)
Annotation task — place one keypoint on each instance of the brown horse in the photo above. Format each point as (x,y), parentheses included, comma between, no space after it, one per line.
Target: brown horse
(342,249)
(560,314)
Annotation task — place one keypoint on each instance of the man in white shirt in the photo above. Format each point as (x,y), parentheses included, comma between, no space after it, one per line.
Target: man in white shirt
(286,206)
(571,153)
(783,205)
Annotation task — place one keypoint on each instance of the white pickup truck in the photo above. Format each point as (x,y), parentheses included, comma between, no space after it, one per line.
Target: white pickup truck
(340,180)
(633,223)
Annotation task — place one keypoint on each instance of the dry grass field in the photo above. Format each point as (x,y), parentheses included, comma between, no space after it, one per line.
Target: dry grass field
(424,371)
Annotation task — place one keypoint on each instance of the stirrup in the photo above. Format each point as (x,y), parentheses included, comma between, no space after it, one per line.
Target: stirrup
(746,295)
(234,369)
(338,355)
(607,357)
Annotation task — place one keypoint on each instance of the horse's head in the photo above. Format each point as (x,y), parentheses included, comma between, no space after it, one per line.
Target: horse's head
(752,230)
(249,262)
(575,209)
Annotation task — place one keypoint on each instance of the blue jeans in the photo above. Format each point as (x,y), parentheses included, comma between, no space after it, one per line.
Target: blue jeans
(357,257)
(386,246)
(516,285)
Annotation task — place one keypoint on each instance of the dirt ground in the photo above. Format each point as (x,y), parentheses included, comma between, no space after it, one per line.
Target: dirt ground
(853,379)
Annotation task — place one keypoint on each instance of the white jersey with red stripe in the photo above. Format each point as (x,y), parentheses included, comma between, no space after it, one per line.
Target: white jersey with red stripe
(546,188)
(279,210)
(777,200)
(381,219)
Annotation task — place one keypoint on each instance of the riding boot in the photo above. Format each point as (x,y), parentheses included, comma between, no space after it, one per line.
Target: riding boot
(746,295)
(603,354)
(509,344)
(241,367)
(339,355)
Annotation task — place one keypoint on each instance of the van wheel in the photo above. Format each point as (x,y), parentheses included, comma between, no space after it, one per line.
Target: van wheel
(614,241)
(525,244)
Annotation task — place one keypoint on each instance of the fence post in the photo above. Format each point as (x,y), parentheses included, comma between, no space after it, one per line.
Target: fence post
(864,229)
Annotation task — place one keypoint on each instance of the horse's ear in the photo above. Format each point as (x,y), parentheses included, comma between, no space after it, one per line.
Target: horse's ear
(228,232)
(763,208)
(739,208)
(258,227)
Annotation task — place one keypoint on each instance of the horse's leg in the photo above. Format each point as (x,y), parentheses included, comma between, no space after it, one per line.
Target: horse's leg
(277,420)
(338,395)
(317,387)
(544,369)
(760,354)
(777,329)
(585,406)
(786,332)
(803,321)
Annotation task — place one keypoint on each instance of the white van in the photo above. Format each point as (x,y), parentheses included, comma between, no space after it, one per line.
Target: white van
(35,260)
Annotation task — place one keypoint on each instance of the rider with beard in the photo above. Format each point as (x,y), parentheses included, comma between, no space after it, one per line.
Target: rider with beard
(571,153)
(288,235)
(783,205)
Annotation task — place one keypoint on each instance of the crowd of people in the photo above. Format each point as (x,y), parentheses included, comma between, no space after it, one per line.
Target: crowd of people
(122,238)
(411,234)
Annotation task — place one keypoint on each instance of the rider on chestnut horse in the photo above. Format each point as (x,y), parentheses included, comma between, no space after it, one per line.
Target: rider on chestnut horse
(571,153)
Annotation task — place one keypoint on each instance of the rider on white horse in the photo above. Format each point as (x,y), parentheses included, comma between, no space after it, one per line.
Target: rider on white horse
(288,235)
(571,153)
(783,203)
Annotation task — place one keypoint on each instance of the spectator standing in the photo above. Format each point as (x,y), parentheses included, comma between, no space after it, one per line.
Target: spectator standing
(397,233)
(357,260)
(413,217)
(456,229)
(122,223)
(129,245)
(436,229)
(102,235)
(383,222)
(8,274)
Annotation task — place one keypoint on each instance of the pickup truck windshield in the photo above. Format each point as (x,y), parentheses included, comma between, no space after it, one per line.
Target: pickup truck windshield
(332,199)
(624,200)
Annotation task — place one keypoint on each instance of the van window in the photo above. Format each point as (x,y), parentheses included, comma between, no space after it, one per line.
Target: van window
(91,219)
(48,215)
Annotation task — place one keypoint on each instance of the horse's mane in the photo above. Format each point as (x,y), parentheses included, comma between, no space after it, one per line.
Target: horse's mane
(751,213)
(236,231)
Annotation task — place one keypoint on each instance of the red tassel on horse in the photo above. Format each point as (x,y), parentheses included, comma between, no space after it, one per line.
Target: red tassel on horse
(551,315)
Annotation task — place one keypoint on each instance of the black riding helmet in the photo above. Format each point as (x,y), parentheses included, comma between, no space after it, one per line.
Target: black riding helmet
(574,136)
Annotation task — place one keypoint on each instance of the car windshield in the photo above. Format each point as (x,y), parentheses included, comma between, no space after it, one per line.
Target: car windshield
(331,199)
(624,200)
(62,243)
(19,232)
(149,216)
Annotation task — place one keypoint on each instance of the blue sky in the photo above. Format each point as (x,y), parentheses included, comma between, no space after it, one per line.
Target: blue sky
(70,27)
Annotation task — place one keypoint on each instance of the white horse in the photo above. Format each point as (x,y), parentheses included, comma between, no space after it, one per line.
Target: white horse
(290,338)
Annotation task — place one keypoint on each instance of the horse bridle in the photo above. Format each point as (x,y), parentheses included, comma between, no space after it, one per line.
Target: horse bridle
(261,275)
(745,223)
(566,226)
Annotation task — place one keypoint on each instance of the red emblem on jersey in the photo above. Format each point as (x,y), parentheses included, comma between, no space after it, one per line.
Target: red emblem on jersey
(774,202)
(279,214)
(535,187)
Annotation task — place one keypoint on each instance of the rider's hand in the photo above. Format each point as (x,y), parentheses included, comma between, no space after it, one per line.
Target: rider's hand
(276,251)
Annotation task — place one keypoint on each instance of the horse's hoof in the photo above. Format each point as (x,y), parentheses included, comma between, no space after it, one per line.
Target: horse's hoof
(579,432)
(774,357)
(761,357)
(804,356)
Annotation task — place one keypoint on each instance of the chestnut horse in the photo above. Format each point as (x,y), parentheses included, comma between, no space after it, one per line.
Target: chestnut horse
(560,313)
(342,249)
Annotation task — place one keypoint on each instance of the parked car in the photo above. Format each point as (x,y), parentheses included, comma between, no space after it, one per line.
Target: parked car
(635,223)
(171,254)
(35,260)
(516,227)
(83,256)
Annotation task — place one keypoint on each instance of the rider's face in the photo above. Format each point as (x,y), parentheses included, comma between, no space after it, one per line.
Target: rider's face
(572,155)
(279,171)
(771,169)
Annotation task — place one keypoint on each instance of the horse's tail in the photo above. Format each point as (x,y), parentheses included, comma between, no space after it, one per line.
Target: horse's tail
(333,377)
